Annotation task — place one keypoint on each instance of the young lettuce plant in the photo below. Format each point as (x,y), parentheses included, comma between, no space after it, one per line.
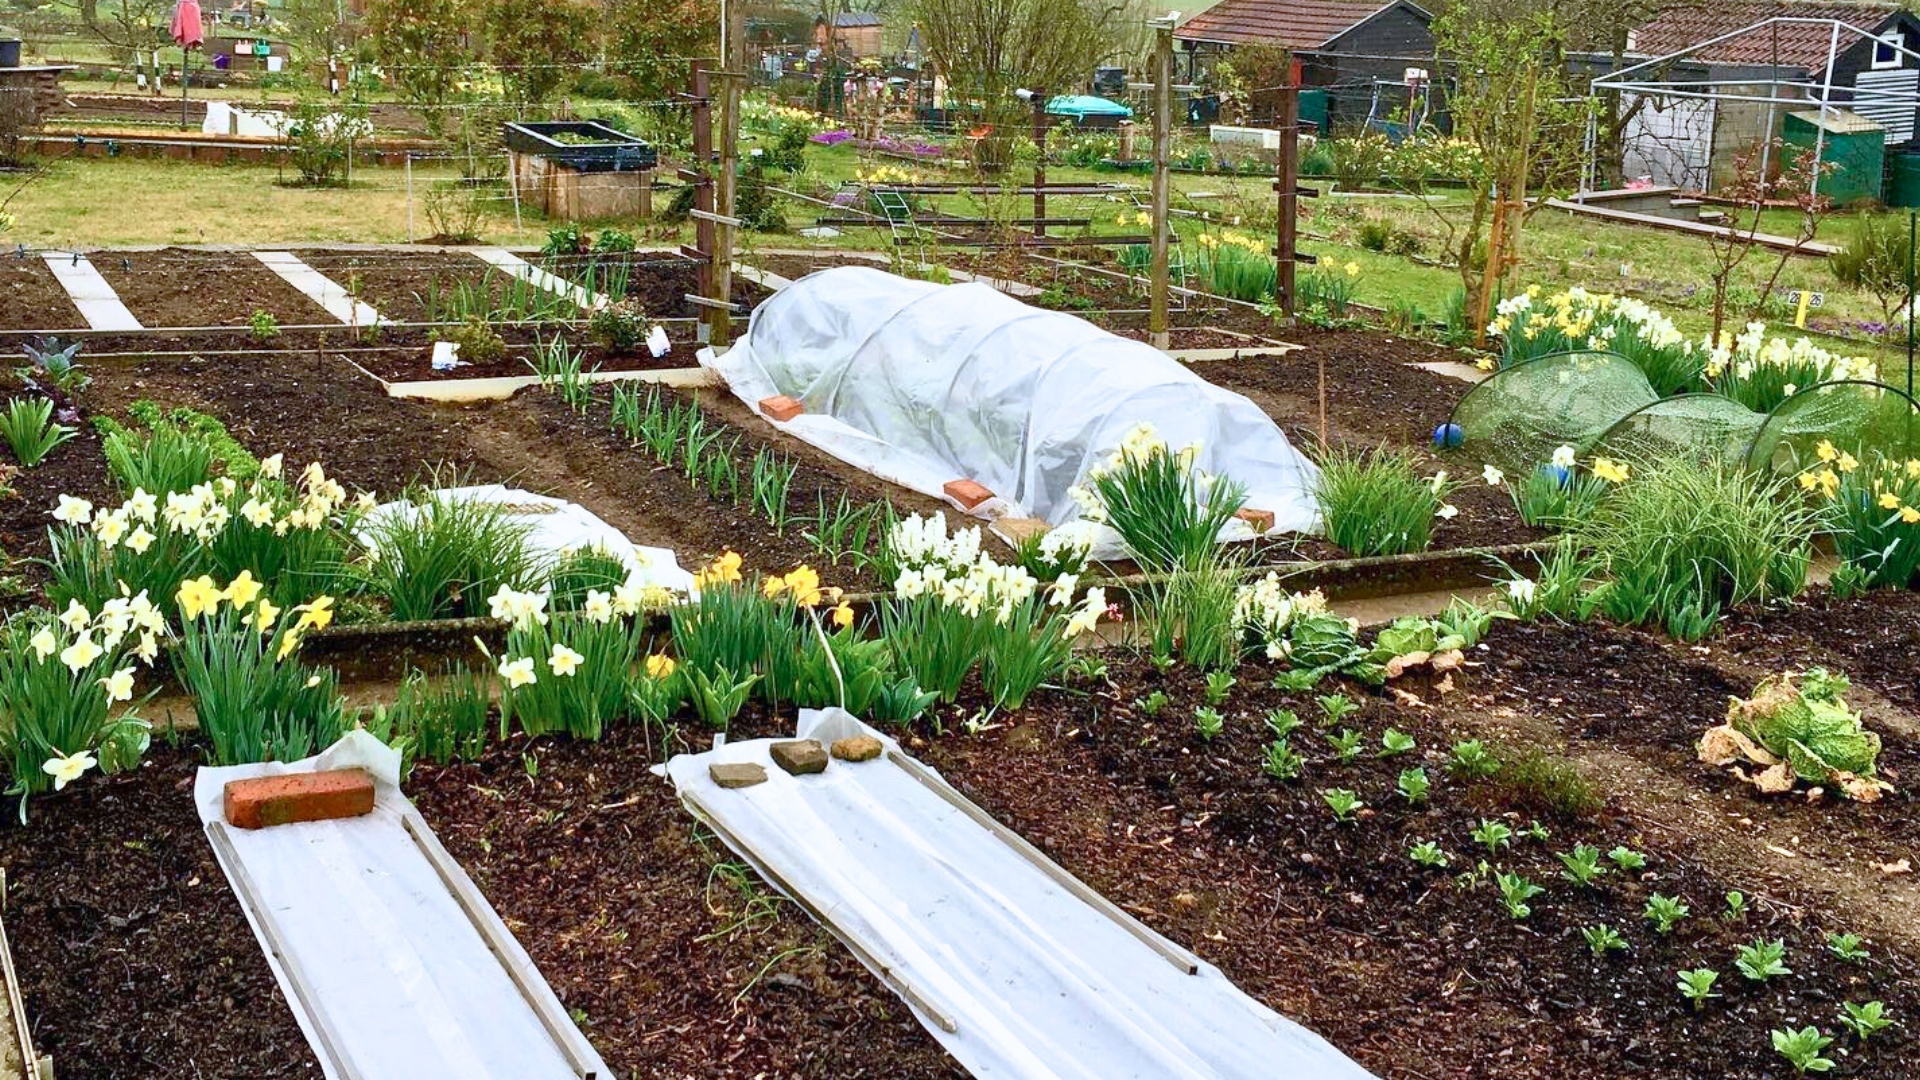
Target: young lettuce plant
(1346,744)
(1414,785)
(1803,1048)
(1665,912)
(1847,947)
(1428,854)
(1603,939)
(1866,1019)
(1515,891)
(1582,865)
(1282,762)
(1208,723)
(1761,960)
(1492,835)
(1696,986)
(1343,803)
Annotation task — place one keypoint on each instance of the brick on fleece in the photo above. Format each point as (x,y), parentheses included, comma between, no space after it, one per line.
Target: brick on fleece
(967,493)
(1261,520)
(313,796)
(780,408)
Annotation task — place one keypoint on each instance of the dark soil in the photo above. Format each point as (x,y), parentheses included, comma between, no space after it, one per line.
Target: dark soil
(133,954)
(32,299)
(397,284)
(28,496)
(639,922)
(1875,639)
(177,287)
(1414,973)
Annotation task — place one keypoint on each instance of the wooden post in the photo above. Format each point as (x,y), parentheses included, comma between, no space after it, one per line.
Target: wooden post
(701,177)
(1287,185)
(721,319)
(1162,122)
(1039,162)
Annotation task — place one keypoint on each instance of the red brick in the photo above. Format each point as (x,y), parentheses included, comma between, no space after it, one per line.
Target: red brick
(312,796)
(1261,520)
(780,408)
(967,493)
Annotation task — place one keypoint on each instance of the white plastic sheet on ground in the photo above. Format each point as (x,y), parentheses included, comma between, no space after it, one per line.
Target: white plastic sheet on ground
(558,526)
(1019,972)
(393,974)
(921,384)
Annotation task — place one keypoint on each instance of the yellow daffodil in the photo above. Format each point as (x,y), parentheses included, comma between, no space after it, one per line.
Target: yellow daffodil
(1826,450)
(1829,482)
(1847,462)
(1352,269)
(1889,501)
(659,666)
(564,661)
(289,641)
(119,685)
(81,654)
(243,589)
(317,614)
(518,673)
(1909,515)
(843,616)
(773,585)
(1809,481)
(724,571)
(198,597)
(804,584)
(65,770)
(264,615)
(1614,472)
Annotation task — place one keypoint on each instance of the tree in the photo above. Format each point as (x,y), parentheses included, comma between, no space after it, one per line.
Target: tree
(424,50)
(1769,172)
(987,49)
(318,30)
(132,29)
(1511,100)
(654,42)
(535,44)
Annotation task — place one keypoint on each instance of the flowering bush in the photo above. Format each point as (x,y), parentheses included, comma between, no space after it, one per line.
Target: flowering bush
(1167,511)
(1872,510)
(60,678)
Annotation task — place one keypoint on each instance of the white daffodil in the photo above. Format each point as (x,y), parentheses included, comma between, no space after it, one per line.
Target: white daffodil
(598,606)
(72,511)
(518,673)
(1439,482)
(1447,512)
(142,506)
(44,643)
(564,661)
(1563,457)
(111,528)
(81,654)
(1522,590)
(256,513)
(119,685)
(1494,477)
(147,648)
(65,770)
(139,540)
(270,467)
(76,617)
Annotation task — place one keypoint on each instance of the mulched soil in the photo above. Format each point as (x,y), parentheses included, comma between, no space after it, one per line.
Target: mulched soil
(133,954)
(396,283)
(28,496)
(31,299)
(1875,639)
(177,287)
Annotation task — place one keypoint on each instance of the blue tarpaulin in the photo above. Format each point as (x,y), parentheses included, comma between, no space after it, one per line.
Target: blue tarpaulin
(1081,106)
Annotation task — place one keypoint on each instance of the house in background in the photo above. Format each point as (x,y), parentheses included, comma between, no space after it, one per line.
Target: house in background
(856,34)
(1358,54)
(1692,142)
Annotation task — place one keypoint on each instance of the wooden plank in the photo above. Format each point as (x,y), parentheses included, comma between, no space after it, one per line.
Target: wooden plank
(1812,248)
(321,289)
(90,293)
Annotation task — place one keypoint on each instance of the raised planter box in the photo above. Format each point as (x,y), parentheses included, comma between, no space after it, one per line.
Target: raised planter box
(610,150)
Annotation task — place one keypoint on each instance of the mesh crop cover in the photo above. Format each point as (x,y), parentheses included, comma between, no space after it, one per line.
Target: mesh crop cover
(1854,416)
(1521,414)
(922,384)
(1700,427)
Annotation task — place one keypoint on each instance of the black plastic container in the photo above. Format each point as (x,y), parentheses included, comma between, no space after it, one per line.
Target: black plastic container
(609,150)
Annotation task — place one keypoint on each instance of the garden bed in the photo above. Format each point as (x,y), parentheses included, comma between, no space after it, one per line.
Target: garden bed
(180,288)
(31,298)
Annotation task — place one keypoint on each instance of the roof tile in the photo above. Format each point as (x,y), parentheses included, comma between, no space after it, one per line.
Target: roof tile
(1296,24)
(1800,45)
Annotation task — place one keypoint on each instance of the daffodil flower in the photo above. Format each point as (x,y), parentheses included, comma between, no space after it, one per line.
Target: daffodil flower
(598,606)
(1447,512)
(843,616)
(270,466)
(1564,457)
(76,617)
(243,589)
(198,597)
(1889,501)
(1493,476)
(1522,590)
(72,511)
(564,661)
(44,643)
(264,615)
(81,654)
(518,673)
(659,666)
(139,540)
(1612,471)
(119,685)
(65,770)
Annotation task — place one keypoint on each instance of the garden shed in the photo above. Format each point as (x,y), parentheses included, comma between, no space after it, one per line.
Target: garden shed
(1342,46)
(855,34)
(1852,145)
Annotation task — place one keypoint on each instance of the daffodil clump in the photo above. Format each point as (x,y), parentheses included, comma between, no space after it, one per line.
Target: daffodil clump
(955,606)
(252,695)
(568,673)
(1557,495)
(61,679)
(1265,610)
(885,175)
(292,536)
(1167,510)
(1749,367)
(1236,265)
(1761,372)
(1872,510)
(1377,503)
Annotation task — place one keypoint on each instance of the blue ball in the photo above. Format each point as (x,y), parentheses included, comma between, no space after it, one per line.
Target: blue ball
(1448,436)
(1562,476)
